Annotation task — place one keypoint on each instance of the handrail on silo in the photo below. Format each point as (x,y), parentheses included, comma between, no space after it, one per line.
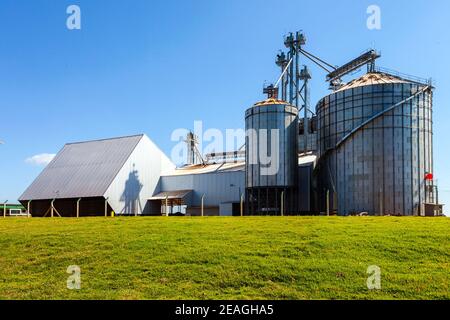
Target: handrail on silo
(418,80)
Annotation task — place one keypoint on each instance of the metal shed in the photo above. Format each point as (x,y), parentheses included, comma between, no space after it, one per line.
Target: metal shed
(216,183)
(97,177)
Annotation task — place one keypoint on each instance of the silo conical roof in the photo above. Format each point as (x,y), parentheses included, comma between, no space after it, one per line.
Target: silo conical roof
(373,78)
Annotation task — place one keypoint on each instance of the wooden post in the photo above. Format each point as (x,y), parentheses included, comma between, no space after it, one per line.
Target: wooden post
(328,202)
(242,205)
(282,203)
(203,198)
(78,207)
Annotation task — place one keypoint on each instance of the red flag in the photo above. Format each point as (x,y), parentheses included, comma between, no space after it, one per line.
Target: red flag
(429,176)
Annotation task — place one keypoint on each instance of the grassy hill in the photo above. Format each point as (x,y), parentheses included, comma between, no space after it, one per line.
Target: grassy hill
(225,258)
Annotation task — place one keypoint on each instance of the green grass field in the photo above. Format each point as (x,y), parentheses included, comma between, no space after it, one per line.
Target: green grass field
(225,258)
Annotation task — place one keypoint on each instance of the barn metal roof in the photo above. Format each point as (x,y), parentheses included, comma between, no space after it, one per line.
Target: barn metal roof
(307,159)
(82,169)
(227,167)
(177,194)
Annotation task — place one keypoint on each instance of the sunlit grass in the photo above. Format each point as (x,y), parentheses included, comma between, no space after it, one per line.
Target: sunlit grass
(225,258)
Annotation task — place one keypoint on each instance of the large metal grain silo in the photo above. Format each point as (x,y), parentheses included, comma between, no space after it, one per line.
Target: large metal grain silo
(271,158)
(375,146)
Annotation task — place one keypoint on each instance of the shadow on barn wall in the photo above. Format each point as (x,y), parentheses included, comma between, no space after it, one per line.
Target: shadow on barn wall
(131,193)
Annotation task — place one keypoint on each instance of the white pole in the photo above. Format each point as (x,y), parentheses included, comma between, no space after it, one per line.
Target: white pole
(28,209)
(78,207)
(167,206)
(242,205)
(51,205)
(4,208)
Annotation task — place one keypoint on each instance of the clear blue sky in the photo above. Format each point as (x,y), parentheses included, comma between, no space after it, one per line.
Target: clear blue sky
(150,67)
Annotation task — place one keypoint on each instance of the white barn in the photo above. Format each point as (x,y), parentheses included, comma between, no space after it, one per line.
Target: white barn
(99,177)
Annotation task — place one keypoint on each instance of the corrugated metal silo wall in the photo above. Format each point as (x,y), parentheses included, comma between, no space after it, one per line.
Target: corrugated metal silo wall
(272,117)
(381,167)
(267,184)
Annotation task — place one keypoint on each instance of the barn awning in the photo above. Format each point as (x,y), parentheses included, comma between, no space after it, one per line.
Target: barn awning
(178,196)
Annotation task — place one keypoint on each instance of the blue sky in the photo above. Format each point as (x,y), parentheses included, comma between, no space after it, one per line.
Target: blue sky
(151,67)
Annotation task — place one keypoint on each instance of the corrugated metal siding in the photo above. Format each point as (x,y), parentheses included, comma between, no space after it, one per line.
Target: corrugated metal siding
(216,186)
(138,179)
(83,169)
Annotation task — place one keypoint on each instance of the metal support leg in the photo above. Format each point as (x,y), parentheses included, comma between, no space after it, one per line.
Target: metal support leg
(136,206)
(106,207)
(52,208)
(78,208)
(167,206)
(328,202)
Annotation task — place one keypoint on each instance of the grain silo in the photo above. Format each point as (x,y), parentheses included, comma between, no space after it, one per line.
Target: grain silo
(271,158)
(376,146)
